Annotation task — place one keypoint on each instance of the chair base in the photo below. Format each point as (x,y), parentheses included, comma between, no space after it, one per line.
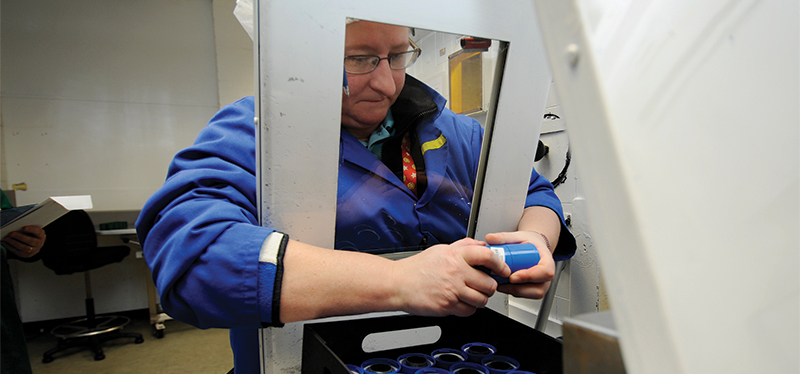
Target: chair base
(82,334)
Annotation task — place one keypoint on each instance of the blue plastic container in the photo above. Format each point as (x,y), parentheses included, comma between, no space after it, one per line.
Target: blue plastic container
(432,371)
(500,364)
(468,368)
(516,256)
(446,357)
(410,363)
(477,351)
(380,366)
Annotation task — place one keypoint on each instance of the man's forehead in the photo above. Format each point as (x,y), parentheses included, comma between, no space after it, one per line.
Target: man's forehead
(362,23)
(361,38)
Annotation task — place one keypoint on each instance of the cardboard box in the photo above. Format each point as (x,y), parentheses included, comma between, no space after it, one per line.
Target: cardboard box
(328,346)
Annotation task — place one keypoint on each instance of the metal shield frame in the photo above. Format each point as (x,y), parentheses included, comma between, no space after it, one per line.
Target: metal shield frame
(300,45)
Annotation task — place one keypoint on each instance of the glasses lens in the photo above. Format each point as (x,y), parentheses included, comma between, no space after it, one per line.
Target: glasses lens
(403,60)
(360,64)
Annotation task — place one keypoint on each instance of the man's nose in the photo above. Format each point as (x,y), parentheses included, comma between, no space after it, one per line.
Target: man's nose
(382,79)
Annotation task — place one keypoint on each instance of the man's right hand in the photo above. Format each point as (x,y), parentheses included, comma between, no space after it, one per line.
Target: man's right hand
(442,280)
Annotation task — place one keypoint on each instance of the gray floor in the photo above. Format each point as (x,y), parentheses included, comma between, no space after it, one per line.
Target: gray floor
(183,349)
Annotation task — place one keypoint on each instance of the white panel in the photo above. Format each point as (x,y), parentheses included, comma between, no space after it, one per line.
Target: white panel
(687,118)
(98,96)
(584,267)
(299,146)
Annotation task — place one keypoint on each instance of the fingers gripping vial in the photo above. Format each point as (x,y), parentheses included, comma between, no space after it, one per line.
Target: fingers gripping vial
(516,256)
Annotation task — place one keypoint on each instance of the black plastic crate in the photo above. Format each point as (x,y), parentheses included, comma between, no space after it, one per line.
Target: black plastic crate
(328,346)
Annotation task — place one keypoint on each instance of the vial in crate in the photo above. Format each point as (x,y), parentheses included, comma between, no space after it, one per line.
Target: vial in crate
(410,363)
(432,370)
(500,364)
(468,368)
(446,357)
(380,366)
(477,351)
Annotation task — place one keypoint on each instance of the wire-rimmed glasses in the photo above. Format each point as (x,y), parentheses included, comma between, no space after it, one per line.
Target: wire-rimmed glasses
(363,64)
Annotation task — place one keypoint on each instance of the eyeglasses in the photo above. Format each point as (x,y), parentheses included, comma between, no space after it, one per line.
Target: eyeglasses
(363,64)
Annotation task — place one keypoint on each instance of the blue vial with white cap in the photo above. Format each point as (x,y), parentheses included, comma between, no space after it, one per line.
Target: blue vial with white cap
(432,370)
(517,256)
(380,366)
(500,364)
(446,357)
(410,363)
(468,368)
(477,351)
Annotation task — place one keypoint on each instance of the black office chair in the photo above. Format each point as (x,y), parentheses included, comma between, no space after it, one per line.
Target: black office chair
(71,247)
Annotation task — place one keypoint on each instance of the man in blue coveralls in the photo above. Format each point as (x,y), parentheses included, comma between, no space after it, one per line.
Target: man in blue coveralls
(406,175)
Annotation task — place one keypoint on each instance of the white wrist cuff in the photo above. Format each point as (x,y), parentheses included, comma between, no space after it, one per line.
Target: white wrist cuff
(270,248)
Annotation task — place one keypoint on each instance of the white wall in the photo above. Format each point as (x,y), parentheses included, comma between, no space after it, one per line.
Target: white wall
(580,285)
(234,55)
(98,96)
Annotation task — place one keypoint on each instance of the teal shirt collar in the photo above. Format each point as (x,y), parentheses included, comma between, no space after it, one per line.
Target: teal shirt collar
(383,132)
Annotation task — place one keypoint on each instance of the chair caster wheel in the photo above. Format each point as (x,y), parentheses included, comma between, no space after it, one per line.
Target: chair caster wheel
(99,356)
(139,340)
(47,360)
(158,333)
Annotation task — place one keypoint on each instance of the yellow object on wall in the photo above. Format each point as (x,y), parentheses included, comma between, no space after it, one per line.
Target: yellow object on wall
(466,82)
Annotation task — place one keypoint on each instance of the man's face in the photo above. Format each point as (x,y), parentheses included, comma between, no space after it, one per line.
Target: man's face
(373,93)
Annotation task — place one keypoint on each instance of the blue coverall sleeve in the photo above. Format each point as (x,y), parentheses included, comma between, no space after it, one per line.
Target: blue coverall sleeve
(200,233)
(541,193)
